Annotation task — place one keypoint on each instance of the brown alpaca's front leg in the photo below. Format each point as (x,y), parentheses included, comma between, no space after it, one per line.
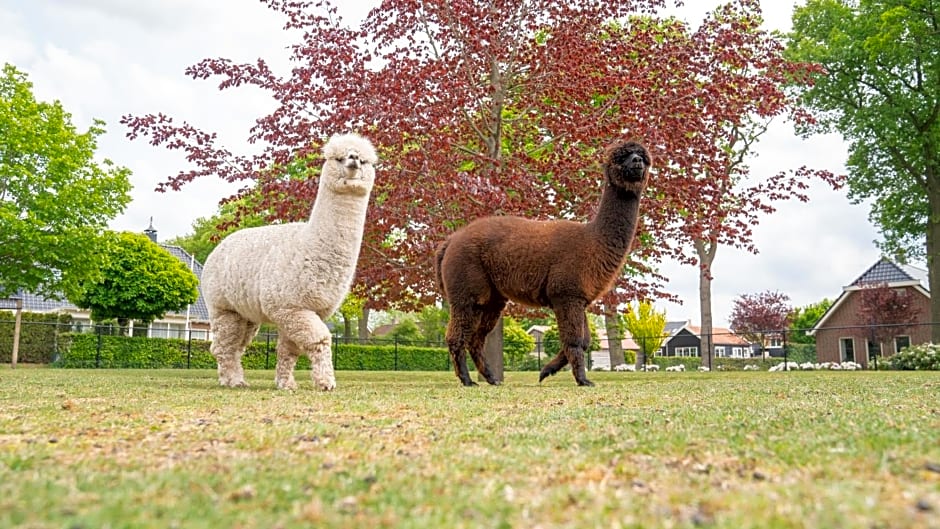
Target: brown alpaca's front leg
(556,365)
(575,338)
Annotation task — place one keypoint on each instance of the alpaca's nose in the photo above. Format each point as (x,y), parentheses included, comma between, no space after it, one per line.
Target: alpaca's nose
(634,159)
(352,160)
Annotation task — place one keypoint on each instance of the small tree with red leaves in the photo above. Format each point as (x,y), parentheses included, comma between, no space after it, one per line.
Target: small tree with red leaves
(760,316)
(884,312)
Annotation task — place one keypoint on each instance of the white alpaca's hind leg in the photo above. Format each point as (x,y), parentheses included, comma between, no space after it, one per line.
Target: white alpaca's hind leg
(312,336)
(232,334)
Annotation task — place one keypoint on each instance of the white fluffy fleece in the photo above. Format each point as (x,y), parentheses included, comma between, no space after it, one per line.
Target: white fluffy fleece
(293,275)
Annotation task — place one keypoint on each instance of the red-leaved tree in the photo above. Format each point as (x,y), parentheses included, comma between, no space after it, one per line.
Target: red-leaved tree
(502,107)
(884,312)
(760,316)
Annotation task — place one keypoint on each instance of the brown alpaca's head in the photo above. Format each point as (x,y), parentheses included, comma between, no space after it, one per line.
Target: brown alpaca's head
(628,166)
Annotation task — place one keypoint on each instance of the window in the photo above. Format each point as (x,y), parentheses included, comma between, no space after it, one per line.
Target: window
(847,350)
(775,342)
(874,351)
(686,351)
(163,329)
(900,342)
(720,351)
(741,352)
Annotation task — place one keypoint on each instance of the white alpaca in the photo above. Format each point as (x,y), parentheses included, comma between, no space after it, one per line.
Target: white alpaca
(293,275)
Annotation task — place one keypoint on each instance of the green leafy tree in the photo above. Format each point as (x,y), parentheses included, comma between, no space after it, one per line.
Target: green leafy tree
(881,91)
(55,198)
(647,327)
(348,314)
(433,323)
(804,318)
(406,332)
(139,281)
(517,344)
(551,343)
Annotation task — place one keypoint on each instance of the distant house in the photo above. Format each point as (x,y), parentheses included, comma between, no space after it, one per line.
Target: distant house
(601,357)
(193,321)
(685,339)
(839,332)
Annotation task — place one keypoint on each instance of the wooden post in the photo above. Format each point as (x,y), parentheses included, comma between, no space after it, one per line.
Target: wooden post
(16,332)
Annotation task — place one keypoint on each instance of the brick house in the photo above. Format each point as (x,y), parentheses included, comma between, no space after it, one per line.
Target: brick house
(839,334)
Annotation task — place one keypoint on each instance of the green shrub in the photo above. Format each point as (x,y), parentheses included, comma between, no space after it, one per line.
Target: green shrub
(39,336)
(923,357)
(91,350)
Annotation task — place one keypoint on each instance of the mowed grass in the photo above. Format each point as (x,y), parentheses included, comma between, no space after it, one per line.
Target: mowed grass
(164,448)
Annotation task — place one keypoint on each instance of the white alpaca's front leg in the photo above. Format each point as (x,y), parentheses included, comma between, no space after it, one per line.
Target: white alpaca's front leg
(321,366)
(305,331)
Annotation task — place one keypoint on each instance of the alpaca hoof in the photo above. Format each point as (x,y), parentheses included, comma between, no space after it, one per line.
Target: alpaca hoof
(545,374)
(233,383)
(289,385)
(328,385)
(585,382)
(494,382)
(468,383)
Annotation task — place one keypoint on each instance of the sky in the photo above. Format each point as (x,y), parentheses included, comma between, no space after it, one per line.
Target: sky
(108,58)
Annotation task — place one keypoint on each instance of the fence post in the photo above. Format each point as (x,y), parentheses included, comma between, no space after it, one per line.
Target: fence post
(189,350)
(396,353)
(18,319)
(98,351)
(267,349)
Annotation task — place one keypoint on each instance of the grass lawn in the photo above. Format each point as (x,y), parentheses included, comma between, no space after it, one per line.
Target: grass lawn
(138,448)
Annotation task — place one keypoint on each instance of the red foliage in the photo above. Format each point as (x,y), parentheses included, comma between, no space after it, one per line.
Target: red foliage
(755,314)
(503,107)
(885,312)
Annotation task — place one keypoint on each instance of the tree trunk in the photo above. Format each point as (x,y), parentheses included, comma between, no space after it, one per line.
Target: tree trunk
(614,337)
(933,263)
(347,329)
(706,256)
(493,352)
(364,325)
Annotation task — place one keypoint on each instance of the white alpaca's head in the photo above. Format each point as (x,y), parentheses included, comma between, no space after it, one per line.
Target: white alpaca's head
(349,166)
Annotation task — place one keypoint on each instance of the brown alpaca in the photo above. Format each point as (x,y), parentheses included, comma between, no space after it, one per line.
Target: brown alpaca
(559,264)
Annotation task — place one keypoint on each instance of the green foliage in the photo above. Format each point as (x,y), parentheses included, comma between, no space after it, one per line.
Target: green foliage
(802,352)
(433,323)
(923,357)
(551,342)
(880,90)
(646,325)
(406,332)
(38,336)
(90,350)
(55,198)
(140,281)
(517,344)
(804,318)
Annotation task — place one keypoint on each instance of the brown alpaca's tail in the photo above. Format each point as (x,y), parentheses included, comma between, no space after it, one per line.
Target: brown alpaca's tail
(438,259)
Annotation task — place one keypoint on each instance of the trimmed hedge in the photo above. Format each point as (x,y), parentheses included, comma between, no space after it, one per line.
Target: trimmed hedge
(91,350)
(38,336)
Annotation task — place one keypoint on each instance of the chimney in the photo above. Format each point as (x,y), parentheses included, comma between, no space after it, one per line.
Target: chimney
(151,232)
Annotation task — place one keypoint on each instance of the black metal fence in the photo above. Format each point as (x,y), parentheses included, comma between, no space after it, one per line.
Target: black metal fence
(45,342)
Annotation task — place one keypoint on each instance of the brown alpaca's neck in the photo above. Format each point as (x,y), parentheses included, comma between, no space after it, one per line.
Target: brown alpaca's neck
(616,221)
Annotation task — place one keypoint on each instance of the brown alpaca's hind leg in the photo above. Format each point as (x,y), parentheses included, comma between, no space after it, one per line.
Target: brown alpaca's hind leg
(488,320)
(459,330)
